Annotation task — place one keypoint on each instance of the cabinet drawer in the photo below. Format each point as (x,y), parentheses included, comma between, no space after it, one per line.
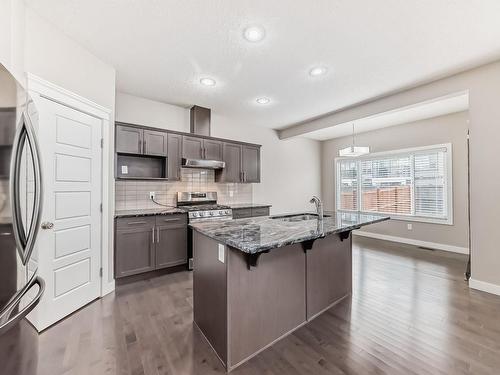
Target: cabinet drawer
(135,222)
(171,220)
(260,211)
(241,213)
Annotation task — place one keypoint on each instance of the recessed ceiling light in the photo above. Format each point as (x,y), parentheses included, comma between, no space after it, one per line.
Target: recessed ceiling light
(263,100)
(207,81)
(317,71)
(254,33)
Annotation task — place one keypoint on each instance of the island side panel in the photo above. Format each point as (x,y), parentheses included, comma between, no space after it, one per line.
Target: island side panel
(329,273)
(265,302)
(210,293)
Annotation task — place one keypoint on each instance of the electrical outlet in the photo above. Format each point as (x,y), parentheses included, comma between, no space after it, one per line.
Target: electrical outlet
(409,226)
(231,193)
(221,253)
(152,195)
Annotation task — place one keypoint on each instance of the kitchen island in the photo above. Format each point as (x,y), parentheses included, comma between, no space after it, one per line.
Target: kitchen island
(256,280)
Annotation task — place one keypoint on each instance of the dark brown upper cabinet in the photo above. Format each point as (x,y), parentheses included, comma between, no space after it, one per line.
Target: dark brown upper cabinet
(231,154)
(174,156)
(129,140)
(242,159)
(201,148)
(212,149)
(155,143)
(250,163)
(192,147)
(242,163)
(132,140)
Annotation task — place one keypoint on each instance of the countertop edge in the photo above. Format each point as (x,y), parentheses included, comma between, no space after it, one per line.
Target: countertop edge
(238,206)
(289,242)
(142,214)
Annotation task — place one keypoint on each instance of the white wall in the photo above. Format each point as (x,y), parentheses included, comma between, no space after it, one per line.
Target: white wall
(12,25)
(450,128)
(136,110)
(56,58)
(291,170)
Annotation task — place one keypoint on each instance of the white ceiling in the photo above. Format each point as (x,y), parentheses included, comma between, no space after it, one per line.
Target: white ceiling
(416,112)
(160,49)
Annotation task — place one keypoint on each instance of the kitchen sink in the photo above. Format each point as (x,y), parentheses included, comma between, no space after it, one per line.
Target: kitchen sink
(298,217)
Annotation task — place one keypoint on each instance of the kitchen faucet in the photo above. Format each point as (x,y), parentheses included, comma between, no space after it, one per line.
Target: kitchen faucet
(319,206)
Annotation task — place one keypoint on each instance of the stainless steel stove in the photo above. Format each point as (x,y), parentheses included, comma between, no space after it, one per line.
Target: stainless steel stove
(201,207)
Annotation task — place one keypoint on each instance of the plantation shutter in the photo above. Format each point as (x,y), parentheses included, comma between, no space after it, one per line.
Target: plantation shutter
(430,184)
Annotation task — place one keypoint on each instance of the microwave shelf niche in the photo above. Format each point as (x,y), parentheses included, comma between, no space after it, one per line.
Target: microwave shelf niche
(141,167)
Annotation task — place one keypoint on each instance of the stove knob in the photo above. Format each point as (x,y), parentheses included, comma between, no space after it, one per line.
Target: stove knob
(211,213)
(195,214)
(221,213)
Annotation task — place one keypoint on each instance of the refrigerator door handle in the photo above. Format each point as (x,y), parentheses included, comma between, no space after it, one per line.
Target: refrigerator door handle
(6,320)
(25,239)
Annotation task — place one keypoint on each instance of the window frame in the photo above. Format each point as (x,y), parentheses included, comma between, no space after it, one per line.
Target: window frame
(403,152)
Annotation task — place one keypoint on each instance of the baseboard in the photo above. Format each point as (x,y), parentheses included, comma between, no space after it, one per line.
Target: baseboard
(484,286)
(410,241)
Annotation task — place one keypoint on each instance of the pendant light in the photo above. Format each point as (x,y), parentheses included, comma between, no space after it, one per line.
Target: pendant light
(353,150)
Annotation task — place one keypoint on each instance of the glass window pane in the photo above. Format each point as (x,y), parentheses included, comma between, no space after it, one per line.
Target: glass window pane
(348,185)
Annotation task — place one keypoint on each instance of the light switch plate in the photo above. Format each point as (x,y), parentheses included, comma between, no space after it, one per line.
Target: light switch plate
(221,253)
(124,169)
(409,226)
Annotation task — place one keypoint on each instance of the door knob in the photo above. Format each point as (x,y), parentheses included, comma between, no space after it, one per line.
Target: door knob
(47,225)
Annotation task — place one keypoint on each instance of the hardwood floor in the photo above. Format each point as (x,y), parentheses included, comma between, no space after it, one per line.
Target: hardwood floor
(411,313)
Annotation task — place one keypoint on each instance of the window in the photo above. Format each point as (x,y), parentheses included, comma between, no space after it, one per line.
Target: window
(412,184)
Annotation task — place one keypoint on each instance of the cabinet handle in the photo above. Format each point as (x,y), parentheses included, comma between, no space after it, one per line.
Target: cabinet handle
(153,234)
(144,147)
(158,235)
(136,222)
(139,144)
(203,152)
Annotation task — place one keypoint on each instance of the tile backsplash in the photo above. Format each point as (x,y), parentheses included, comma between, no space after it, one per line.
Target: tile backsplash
(131,195)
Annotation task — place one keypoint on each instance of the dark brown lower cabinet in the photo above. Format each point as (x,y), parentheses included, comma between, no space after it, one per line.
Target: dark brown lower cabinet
(171,245)
(241,310)
(241,213)
(134,247)
(144,244)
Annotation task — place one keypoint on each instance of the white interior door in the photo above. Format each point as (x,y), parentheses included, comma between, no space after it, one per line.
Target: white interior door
(69,252)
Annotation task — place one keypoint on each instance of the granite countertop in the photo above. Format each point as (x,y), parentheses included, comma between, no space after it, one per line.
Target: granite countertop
(235,206)
(254,235)
(149,212)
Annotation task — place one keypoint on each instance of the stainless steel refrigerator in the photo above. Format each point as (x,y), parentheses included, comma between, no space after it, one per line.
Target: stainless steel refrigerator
(20,209)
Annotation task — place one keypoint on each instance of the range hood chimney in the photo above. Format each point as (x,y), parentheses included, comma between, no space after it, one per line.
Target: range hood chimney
(200,120)
(200,125)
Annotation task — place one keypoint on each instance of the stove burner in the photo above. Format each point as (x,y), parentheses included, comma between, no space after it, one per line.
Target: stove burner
(202,206)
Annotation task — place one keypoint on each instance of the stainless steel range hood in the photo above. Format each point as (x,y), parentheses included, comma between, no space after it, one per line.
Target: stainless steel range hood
(201,163)
(200,118)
